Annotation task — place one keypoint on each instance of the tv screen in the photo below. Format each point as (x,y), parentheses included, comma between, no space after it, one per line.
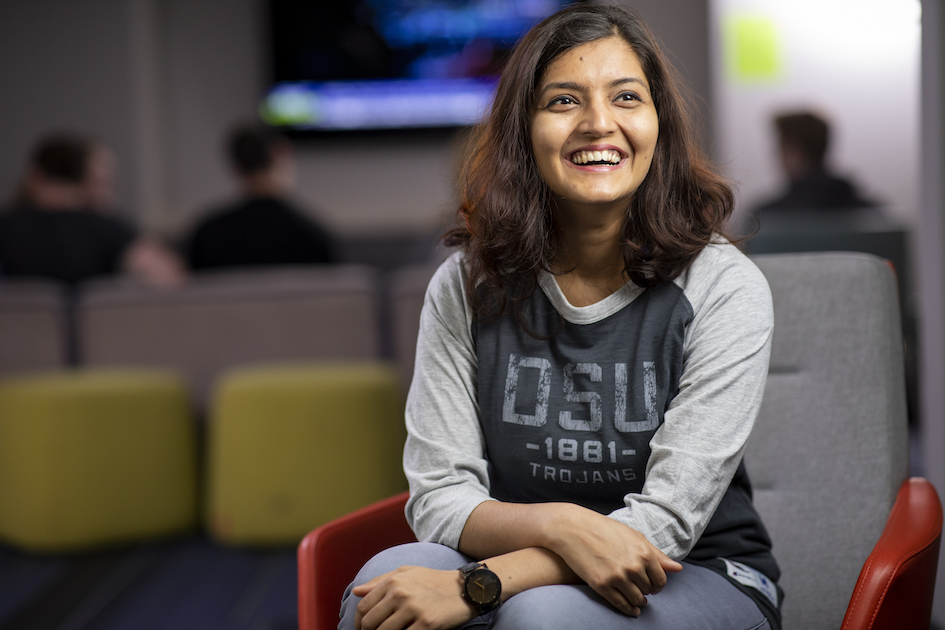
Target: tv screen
(390,64)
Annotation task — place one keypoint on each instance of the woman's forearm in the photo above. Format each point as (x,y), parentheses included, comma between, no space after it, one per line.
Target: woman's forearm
(512,538)
(496,528)
(529,568)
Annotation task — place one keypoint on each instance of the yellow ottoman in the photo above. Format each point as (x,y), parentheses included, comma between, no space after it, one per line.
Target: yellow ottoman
(292,447)
(89,458)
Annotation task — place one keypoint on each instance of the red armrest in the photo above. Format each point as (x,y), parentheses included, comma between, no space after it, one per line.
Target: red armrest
(896,585)
(330,556)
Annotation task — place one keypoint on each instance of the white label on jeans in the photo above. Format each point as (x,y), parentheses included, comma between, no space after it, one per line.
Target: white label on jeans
(754,579)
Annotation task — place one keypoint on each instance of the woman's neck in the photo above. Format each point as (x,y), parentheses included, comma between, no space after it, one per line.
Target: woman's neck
(589,264)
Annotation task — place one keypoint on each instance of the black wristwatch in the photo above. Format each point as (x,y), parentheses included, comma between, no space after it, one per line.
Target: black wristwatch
(481,587)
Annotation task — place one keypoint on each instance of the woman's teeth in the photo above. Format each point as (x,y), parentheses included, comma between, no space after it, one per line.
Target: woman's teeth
(596,157)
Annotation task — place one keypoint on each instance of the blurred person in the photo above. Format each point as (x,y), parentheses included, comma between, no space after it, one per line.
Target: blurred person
(803,141)
(59,225)
(262,227)
(99,181)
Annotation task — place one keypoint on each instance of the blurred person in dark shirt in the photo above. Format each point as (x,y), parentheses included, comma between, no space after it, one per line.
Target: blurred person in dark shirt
(803,140)
(263,227)
(60,225)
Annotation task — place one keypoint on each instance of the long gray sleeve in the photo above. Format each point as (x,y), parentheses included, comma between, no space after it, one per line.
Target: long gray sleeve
(443,454)
(698,447)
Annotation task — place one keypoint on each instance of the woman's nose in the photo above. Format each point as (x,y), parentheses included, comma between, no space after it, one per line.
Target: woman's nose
(597,119)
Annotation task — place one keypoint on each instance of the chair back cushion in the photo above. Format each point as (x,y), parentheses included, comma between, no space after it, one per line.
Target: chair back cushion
(33,332)
(829,450)
(224,319)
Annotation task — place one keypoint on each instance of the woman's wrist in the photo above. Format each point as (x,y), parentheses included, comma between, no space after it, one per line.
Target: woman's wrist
(556,523)
(528,568)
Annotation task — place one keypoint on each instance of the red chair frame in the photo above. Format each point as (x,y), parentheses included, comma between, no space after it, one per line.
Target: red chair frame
(330,556)
(897,583)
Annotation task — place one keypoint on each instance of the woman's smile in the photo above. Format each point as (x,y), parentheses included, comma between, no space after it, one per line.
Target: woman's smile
(598,157)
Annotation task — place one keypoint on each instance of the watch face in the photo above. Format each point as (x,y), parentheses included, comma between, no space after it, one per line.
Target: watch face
(483,587)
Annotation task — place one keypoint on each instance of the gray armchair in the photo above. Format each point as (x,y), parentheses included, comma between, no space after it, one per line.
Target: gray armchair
(829,454)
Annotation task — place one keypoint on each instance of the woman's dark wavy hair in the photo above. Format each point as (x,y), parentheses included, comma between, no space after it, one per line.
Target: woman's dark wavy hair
(504,219)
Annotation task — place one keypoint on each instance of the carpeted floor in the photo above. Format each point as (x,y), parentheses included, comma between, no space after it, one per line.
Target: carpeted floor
(178,585)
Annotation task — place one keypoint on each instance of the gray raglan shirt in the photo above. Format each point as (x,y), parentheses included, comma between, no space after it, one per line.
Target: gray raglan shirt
(638,406)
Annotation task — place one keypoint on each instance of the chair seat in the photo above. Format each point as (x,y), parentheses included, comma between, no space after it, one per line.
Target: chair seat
(294,446)
(90,458)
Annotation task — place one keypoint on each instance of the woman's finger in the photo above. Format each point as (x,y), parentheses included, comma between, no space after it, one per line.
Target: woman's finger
(635,589)
(363,589)
(656,571)
(652,578)
(369,601)
(668,563)
(374,610)
(621,601)
(387,617)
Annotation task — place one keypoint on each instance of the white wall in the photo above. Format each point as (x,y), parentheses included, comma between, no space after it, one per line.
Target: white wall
(381,185)
(157,79)
(855,60)
(211,66)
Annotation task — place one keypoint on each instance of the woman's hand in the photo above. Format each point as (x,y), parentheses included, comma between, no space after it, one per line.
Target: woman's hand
(618,562)
(412,597)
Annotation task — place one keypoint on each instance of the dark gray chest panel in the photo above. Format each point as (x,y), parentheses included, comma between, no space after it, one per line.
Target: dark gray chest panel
(570,417)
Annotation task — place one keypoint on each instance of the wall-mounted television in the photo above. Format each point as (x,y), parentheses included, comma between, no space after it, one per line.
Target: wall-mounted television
(350,65)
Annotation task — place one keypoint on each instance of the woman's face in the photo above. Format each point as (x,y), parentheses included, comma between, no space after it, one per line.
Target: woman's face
(594,126)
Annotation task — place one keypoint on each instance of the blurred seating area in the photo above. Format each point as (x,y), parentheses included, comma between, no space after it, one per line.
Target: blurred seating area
(222,318)
(176,443)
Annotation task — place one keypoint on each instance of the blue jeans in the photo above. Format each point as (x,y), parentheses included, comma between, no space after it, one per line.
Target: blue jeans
(695,598)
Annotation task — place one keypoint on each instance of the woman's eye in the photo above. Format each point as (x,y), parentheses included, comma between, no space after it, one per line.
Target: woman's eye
(562,100)
(628,97)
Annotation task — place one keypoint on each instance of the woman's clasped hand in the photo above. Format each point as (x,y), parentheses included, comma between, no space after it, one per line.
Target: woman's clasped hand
(412,597)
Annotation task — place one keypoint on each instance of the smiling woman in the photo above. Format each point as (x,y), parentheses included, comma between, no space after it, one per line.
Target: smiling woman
(589,367)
